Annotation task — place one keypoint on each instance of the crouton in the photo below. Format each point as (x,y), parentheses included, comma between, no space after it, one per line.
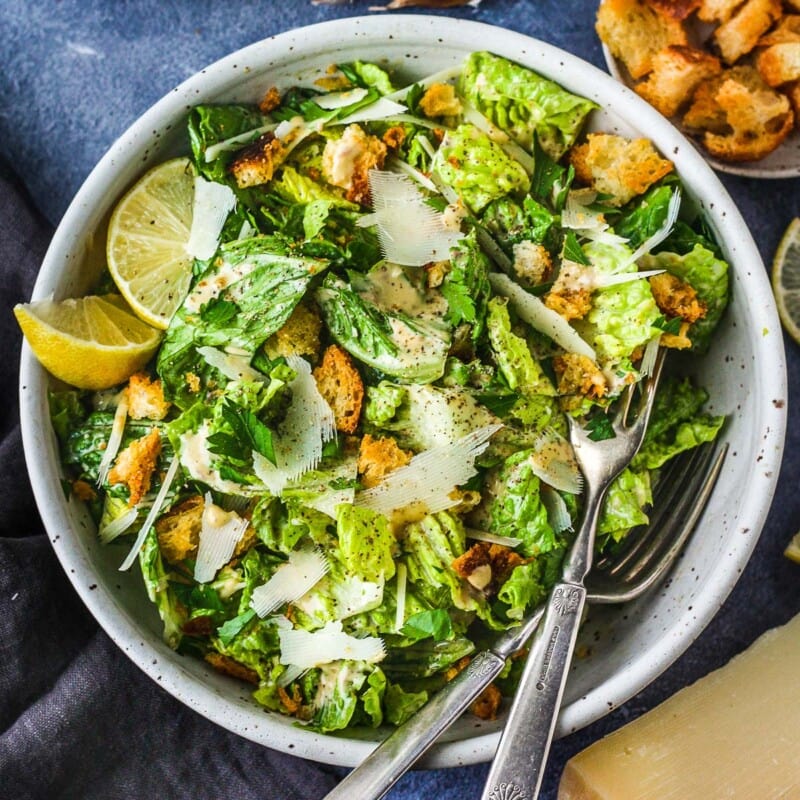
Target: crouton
(787,30)
(299,335)
(487,566)
(178,531)
(676,298)
(579,375)
(677,9)
(229,666)
(779,63)
(739,116)
(569,303)
(619,167)
(378,457)
(440,100)
(677,71)
(146,398)
(135,465)
(255,164)
(456,668)
(532,263)
(83,490)
(717,10)
(340,384)
(270,101)
(634,31)
(792,91)
(346,162)
(393,137)
(487,704)
(740,34)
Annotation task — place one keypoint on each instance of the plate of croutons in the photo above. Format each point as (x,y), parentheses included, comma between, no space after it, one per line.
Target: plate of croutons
(726,72)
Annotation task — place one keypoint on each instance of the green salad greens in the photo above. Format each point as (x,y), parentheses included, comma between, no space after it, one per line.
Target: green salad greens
(347,464)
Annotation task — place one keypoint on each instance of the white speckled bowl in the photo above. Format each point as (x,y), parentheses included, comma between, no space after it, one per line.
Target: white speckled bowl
(745,372)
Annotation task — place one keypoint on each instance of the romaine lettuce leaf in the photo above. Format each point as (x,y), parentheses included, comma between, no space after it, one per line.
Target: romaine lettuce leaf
(366,542)
(624,505)
(466,285)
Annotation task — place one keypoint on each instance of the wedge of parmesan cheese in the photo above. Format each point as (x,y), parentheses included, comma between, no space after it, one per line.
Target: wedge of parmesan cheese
(734,734)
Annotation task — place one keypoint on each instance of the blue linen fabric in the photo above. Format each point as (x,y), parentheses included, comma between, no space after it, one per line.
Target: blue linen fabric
(77,719)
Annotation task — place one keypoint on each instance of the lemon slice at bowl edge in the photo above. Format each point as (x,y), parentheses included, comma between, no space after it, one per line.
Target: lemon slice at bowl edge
(786,279)
(89,342)
(147,237)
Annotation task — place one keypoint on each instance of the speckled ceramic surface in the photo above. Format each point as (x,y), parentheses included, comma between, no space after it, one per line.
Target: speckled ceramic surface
(626,647)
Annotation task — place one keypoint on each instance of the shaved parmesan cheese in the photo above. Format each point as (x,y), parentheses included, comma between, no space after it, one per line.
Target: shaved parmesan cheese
(155,510)
(400,166)
(118,526)
(649,358)
(232,366)
(196,459)
(289,675)
(402,584)
(603,281)
(341,99)
(353,595)
(557,512)
(214,151)
(428,480)
(669,223)
(492,538)
(212,203)
(410,231)
(553,462)
(443,76)
(114,440)
(306,649)
(533,311)
(291,580)
(307,426)
(220,532)
(380,109)
(509,146)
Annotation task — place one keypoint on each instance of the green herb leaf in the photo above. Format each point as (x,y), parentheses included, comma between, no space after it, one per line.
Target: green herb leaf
(672,325)
(573,250)
(229,630)
(600,428)
(435,623)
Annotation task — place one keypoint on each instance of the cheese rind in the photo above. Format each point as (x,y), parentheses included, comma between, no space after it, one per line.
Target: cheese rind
(733,734)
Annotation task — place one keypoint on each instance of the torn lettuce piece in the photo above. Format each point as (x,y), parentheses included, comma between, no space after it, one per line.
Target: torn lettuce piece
(511,223)
(366,542)
(708,276)
(368,75)
(466,285)
(624,506)
(526,587)
(686,436)
(160,590)
(477,168)
(524,104)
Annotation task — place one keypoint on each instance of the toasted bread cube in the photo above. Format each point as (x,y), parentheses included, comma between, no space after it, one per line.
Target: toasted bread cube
(256,164)
(740,34)
(676,298)
(677,9)
(779,63)
(346,161)
(741,118)
(787,30)
(440,100)
(299,335)
(717,10)
(579,375)
(178,530)
(135,465)
(792,91)
(146,398)
(677,71)
(340,384)
(634,32)
(378,457)
(619,167)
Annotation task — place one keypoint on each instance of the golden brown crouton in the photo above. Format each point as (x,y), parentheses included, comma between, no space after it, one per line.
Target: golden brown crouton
(487,566)
(270,101)
(440,100)
(779,63)
(569,303)
(676,298)
(619,167)
(792,91)
(740,34)
(579,375)
(136,464)
(677,9)
(146,398)
(456,668)
(340,384)
(677,71)
(256,163)
(634,31)
(717,10)
(83,490)
(299,335)
(378,457)
(487,703)
(786,30)
(740,117)
(393,137)
(229,666)
(346,161)
(178,531)
(532,263)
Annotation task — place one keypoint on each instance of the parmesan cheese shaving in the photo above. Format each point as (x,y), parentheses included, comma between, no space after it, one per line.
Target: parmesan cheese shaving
(155,510)
(553,462)
(669,223)
(289,675)
(213,152)
(307,649)
(232,366)
(509,146)
(118,526)
(400,166)
(603,281)
(308,425)
(402,585)
(533,311)
(212,203)
(443,76)
(340,99)
(557,512)
(291,580)
(114,440)
(380,109)
(649,358)
(428,480)
(410,231)
(220,532)
(492,538)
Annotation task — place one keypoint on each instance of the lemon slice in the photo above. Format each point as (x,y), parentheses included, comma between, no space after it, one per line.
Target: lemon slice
(786,279)
(793,549)
(92,342)
(147,238)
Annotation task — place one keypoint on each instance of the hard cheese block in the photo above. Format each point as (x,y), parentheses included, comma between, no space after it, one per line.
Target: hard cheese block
(733,734)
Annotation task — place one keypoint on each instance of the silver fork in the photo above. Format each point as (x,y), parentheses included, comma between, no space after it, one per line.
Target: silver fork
(690,479)
(525,742)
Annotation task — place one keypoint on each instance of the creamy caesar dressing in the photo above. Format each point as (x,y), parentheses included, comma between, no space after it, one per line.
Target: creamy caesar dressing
(389,288)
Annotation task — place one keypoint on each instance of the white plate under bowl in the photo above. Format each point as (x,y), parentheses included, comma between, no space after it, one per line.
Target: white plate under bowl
(783,162)
(744,371)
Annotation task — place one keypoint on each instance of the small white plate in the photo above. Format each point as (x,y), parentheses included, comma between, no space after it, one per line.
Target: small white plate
(783,162)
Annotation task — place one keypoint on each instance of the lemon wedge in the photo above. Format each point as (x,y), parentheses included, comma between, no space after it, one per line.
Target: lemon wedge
(786,279)
(792,551)
(147,238)
(90,342)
